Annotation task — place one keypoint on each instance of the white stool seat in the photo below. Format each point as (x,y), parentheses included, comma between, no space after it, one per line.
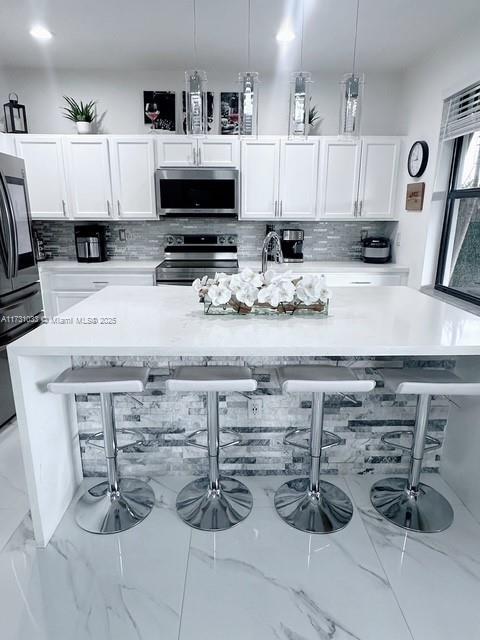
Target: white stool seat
(321,379)
(419,381)
(100,380)
(214,378)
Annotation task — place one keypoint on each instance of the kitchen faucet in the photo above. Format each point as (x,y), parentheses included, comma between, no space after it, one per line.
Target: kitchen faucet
(273,238)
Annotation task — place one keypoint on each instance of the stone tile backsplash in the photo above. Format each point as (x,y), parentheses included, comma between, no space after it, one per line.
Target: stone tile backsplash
(325,241)
(166,418)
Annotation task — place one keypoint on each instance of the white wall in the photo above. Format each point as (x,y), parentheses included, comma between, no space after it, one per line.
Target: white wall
(119,95)
(445,71)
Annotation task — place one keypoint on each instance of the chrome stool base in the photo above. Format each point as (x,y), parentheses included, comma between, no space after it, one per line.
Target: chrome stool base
(426,510)
(325,511)
(99,511)
(214,510)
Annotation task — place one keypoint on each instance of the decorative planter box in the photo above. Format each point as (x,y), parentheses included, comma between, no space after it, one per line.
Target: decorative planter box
(319,309)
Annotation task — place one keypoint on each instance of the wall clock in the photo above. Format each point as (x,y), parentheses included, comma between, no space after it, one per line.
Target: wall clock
(418,158)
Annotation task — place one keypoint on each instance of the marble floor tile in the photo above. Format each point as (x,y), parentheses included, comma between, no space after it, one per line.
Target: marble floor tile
(436,577)
(264,580)
(82,586)
(13,492)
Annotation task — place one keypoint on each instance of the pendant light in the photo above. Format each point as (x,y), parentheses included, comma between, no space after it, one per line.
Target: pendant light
(351,94)
(248,93)
(196,91)
(299,124)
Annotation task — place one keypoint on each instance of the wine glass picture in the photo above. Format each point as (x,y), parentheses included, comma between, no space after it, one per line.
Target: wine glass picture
(152,112)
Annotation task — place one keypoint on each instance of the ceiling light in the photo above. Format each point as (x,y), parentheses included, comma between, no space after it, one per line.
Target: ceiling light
(285,34)
(41,33)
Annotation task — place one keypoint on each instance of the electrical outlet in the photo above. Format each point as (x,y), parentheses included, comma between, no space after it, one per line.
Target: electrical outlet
(122,235)
(397,240)
(255,408)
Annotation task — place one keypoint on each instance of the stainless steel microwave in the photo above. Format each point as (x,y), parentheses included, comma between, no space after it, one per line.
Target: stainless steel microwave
(197,192)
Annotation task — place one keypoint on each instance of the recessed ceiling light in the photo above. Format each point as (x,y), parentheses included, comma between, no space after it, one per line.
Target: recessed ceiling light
(41,33)
(285,34)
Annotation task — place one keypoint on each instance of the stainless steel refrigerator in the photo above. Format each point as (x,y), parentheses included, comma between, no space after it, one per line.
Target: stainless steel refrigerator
(20,294)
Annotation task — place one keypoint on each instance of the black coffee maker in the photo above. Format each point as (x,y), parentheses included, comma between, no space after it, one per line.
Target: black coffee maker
(90,243)
(292,245)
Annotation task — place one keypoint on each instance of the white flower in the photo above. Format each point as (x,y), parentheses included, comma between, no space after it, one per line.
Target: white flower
(247,276)
(219,294)
(277,292)
(272,276)
(222,278)
(247,294)
(201,283)
(311,289)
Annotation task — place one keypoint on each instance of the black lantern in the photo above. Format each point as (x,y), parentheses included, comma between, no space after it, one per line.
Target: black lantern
(15,116)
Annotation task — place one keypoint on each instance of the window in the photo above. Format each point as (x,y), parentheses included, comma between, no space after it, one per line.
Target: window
(458,270)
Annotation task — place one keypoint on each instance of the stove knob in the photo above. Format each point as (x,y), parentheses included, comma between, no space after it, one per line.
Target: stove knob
(221,240)
(170,240)
(231,239)
(179,240)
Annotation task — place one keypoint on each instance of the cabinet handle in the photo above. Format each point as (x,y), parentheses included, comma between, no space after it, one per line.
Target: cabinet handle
(275,207)
(195,156)
(199,156)
(64,208)
(360,208)
(102,282)
(280,213)
(108,207)
(360,282)
(355,207)
(119,208)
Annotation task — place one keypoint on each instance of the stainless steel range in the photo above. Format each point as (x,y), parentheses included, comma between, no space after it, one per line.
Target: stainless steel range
(192,256)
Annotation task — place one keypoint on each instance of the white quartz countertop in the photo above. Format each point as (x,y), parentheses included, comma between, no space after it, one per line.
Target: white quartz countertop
(314,266)
(72,266)
(170,321)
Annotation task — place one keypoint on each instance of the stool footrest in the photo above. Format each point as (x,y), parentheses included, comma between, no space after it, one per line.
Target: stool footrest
(431,442)
(94,439)
(191,441)
(290,438)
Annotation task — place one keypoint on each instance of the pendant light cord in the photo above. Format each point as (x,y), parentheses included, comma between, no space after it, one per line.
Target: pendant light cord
(302,29)
(355,39)
(248,33)
(195,33)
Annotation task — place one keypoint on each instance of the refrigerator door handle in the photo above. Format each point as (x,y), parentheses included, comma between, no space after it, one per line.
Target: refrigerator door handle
(11,239)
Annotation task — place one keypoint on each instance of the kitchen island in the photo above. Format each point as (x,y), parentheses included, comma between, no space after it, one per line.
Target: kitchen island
(169,322)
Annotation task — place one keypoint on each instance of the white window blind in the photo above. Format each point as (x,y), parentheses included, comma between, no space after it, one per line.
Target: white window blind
(461,113)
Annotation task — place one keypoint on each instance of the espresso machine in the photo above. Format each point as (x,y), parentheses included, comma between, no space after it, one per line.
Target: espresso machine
(90,243)
(292,245)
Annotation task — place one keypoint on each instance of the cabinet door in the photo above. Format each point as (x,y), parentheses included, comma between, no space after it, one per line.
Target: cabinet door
(378,175)
(218,151)
(298,179)
(88,177)
(177,151)
(45,172)
(339,182)
(133,167)
(260,169)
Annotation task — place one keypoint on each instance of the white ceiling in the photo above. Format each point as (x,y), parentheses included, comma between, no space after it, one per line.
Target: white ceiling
(155,34)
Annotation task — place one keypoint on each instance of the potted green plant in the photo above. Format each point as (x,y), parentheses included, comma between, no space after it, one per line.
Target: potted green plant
(314,118)
(82,114)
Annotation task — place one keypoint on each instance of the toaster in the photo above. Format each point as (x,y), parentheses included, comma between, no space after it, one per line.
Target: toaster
(376,249)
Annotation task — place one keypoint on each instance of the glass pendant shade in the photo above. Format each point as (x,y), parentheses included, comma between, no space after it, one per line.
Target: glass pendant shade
(299,122)
(196,102)
(351,104)
(248,103)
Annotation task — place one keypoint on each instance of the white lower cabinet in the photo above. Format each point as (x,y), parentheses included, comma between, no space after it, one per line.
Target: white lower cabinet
(61,290)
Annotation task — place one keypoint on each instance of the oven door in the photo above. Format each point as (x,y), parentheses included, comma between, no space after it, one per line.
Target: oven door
(197,192)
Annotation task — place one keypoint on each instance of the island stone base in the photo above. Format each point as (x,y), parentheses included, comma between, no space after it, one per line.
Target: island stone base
(166,418)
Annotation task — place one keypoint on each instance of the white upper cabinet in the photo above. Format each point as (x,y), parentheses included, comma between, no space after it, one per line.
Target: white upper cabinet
(88,177)
(358,177)
(298,179)
(44,167)
(133,166)
(177,151)
(209,151)
(260,169)
(218,151)
(339,169)
(378,177)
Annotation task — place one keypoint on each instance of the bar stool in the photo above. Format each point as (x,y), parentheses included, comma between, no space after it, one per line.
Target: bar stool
(407,502)
(311,504)
(119,503)
(216,502)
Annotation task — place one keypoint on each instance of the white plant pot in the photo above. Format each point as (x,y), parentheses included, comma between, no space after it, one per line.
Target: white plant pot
(84,127)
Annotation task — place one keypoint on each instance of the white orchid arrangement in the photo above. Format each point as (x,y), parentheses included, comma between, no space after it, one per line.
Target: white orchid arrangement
(279,291)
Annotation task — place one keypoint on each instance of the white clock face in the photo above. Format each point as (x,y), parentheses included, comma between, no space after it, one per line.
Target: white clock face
(416,158)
